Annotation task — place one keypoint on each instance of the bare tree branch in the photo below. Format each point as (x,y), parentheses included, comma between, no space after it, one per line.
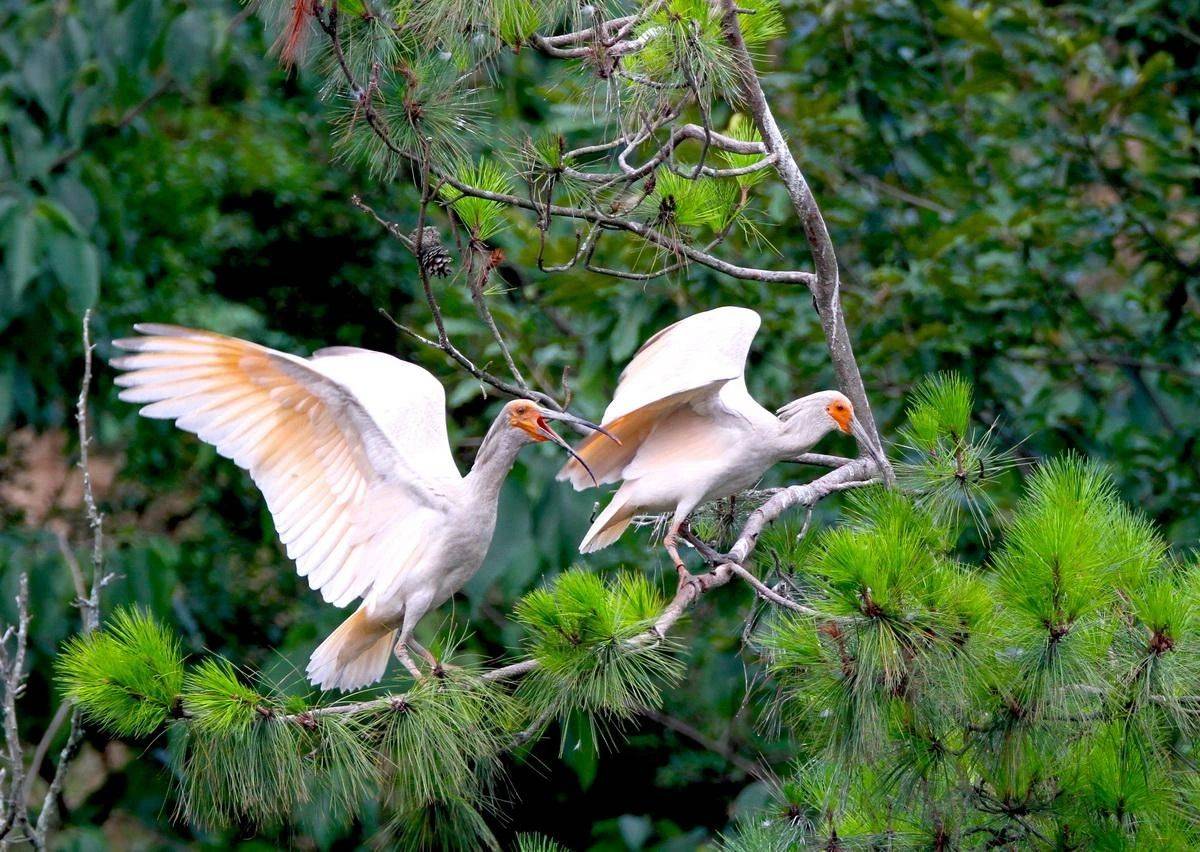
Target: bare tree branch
(12,670)
(89,605)
(825,286)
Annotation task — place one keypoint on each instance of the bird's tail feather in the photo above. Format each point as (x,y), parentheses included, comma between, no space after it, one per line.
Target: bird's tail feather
(355,655)
(608,526)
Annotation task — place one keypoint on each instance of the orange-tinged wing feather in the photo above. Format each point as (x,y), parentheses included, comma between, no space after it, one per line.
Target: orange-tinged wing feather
(683,363)
(339,461)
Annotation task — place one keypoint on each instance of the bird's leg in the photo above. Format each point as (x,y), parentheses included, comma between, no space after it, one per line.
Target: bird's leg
(670,541)
(422,651)
(401,652)
(414,609)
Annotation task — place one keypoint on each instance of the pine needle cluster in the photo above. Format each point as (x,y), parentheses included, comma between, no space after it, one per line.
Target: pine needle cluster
(688,48)
(1047,696)
(947,462)
(593,642)
(248,753)
(483,218)
(128,678)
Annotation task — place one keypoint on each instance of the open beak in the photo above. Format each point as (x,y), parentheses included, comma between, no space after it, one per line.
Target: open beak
(550,434)
(865,441)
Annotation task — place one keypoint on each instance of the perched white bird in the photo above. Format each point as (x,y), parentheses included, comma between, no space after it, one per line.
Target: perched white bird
(350,449)
(689,430)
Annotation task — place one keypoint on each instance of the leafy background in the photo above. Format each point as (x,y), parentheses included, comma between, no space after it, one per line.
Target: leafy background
(1011,187)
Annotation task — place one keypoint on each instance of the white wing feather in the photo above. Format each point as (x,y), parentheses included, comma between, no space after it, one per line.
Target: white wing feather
(686,363)
(692,354)
(343,445)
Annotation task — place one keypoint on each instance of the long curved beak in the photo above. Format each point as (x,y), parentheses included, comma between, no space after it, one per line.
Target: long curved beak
(867,443)
(567,417)
(550,434)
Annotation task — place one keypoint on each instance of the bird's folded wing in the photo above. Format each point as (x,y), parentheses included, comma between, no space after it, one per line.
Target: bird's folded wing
(693,358)
(337,443)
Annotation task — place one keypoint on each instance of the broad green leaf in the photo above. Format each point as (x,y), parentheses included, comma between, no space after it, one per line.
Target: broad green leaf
(76,264)
(21,252)
(44,72)
(187,47)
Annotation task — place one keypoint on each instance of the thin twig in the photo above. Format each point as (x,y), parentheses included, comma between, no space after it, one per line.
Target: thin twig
(16,815)
(749,767)
(477,285)
(89,605)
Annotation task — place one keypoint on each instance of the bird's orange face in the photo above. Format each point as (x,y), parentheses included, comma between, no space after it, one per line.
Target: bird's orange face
(528,418)
(842,413)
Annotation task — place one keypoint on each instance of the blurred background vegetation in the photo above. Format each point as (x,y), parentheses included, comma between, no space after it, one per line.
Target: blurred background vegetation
(1012,189)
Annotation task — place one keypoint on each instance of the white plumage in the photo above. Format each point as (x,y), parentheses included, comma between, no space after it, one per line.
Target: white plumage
(350,449)
(689,430)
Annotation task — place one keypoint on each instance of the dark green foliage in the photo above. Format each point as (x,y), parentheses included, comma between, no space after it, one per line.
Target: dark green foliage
(127,678)
(594,644)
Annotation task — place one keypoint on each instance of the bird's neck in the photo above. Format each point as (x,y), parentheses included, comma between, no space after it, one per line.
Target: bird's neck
(798,435)
(494,461)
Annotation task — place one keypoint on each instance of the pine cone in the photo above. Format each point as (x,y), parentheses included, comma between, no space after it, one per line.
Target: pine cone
(433,257)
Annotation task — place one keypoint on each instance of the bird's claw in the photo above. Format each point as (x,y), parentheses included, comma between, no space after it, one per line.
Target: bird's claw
(687,578)
(706,551)
(440,669)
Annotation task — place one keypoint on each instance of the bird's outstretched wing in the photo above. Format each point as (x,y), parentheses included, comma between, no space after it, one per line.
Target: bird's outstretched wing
(679,365)
(349,447)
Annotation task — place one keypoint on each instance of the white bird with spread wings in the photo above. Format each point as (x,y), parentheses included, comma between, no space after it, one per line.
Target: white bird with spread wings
(350,449)
(690,432)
